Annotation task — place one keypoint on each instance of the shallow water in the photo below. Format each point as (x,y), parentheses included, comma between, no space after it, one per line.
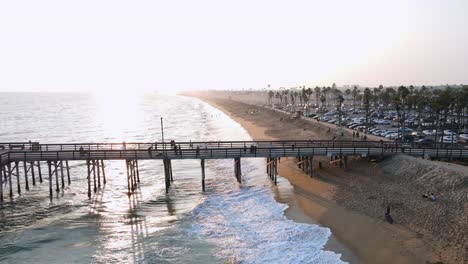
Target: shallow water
(229,222)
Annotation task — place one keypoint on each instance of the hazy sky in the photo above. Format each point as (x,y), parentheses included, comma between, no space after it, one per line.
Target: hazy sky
(198,44)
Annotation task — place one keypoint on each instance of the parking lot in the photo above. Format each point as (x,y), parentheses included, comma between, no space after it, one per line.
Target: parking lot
(385,124)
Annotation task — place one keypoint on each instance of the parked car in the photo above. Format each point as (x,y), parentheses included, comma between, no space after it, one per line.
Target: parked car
(425,141)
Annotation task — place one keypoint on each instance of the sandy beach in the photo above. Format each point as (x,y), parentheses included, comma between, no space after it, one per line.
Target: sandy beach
(351,202)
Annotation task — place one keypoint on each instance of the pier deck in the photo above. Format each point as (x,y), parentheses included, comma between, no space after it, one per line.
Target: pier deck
(31,154)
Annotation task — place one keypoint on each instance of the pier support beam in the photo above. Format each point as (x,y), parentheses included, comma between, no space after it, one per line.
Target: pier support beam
(237,169)
(26,175)
(89,177)
(103,171)
(68,172)
(98,174)
(132,174)
(10,184)
(39,171)
(18,177)
(2,174)
(94,175)
(61,174)
(49,165)
(57,186)
(311,162)
(32,173)
(202,163)
(167,177)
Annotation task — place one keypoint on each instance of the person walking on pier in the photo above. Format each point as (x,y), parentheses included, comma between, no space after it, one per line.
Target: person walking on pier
(81,151)
(124,145)
(150,151)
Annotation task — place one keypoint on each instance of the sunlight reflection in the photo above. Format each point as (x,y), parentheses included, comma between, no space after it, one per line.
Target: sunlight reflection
(119,114)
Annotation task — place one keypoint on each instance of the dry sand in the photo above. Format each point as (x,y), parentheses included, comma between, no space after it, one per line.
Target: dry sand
(352,202)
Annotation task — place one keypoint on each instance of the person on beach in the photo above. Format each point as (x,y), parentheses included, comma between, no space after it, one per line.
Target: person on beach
(433,197)
(354,134)
(357,135)
(388,217)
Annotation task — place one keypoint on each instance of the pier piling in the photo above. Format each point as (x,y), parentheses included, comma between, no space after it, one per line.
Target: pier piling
(68,172)
(61,174)
(2,173)
(103,171)
(26,175)
(10,184)
(18,177)
(32,173)
(202,163)
(57,186)
(49,165)
(89,178)
(39,171)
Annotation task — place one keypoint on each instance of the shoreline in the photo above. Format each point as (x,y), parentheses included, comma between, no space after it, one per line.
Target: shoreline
(358,237)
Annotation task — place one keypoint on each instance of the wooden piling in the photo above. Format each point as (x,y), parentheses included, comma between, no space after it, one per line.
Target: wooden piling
(170,171)
(94,175)
(49,165)
(39,171)
(237,170)
(202,162)
(166,175)
(2,173)
(138,172)
(17,177)
(26,175)
(10,184)
(128,176)
(311,161)
(32,174)
(68,172)
(268,166)
(103,172)
(61,174)
(98,174)
(57,185)
(132,175)
(275,170)
(89,179)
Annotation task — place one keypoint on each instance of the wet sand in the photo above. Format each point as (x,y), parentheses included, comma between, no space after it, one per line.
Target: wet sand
(360,238)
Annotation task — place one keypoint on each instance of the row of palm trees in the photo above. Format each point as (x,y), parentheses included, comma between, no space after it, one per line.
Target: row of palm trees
(437,103)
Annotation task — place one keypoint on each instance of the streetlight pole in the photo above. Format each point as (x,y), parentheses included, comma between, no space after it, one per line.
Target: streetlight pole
(162,137)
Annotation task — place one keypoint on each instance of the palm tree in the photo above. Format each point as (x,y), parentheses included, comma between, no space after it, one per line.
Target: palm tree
(367,99)
(309,93)
(348,93)
(340,101)
(402,96)
(317,95)
(355,93)
(270,96)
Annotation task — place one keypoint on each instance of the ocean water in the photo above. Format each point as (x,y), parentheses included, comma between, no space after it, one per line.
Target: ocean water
(229,223)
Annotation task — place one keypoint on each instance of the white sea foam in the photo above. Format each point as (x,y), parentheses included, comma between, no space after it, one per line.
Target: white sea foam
(249,226)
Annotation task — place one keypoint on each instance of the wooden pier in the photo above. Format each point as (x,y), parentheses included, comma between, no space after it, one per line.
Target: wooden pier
(33,155)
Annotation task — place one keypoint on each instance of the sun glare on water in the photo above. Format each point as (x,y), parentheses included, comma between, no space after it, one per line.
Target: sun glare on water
(119,114)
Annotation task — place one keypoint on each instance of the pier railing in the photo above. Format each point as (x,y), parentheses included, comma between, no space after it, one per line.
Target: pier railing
(224,150)
(233,144)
